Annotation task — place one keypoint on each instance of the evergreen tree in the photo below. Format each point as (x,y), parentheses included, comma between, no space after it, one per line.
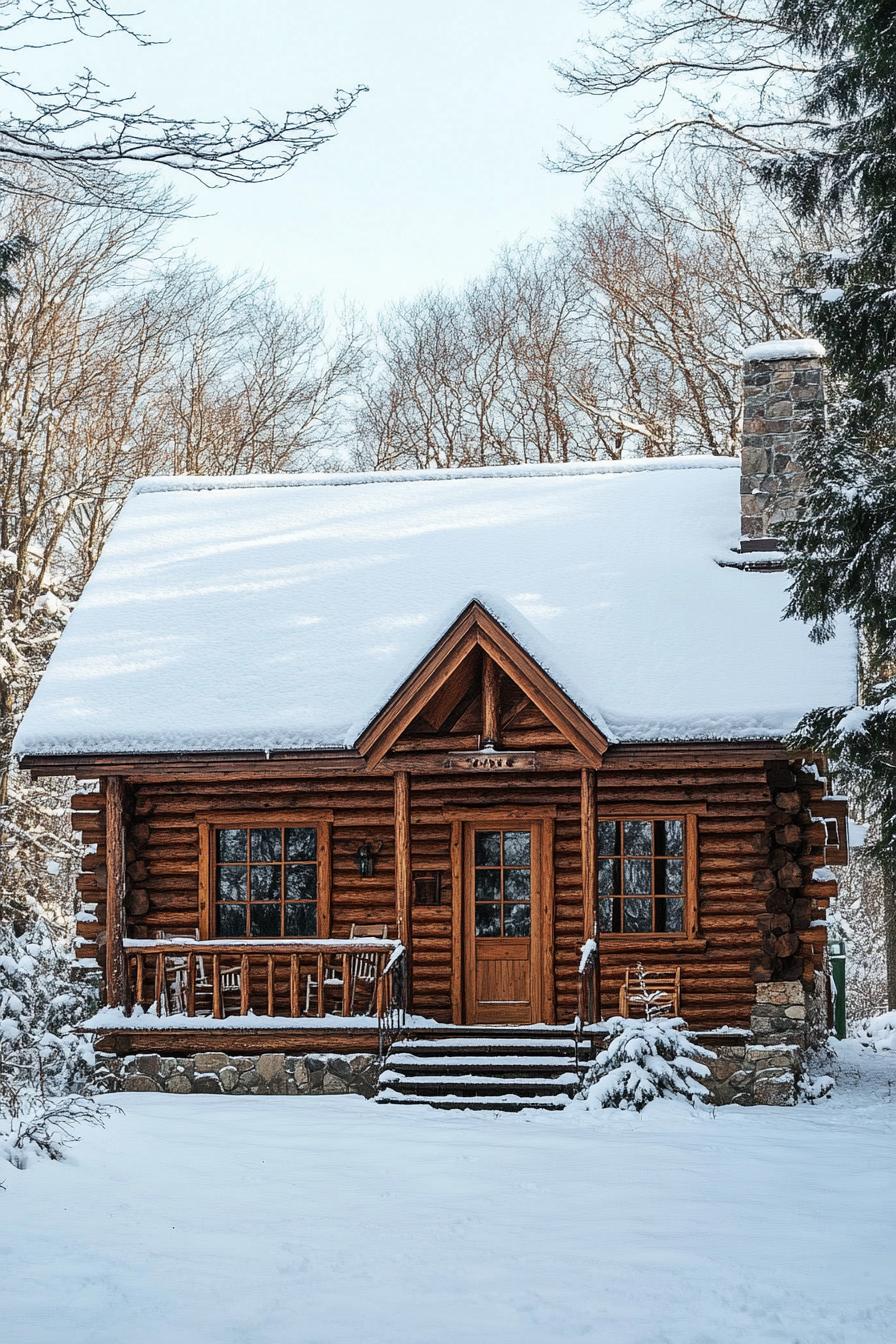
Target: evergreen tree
(842,551)
(645,1059)
(12,251)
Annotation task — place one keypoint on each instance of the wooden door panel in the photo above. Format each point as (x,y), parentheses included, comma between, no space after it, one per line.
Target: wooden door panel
(503,988)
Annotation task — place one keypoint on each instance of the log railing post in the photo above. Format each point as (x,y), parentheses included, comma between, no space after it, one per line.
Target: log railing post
(403,877)
(116,970)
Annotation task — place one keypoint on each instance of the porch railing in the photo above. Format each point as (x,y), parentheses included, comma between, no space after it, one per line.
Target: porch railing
(314,977)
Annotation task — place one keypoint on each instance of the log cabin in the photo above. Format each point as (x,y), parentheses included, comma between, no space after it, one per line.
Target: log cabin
(366,757)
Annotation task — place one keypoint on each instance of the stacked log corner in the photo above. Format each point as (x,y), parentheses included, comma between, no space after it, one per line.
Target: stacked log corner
(792,927)
(88,814)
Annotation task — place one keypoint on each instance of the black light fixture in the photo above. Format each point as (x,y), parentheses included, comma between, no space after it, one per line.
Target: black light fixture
(365,856)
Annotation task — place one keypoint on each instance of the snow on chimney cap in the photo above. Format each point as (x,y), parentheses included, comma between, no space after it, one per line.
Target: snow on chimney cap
(770,350)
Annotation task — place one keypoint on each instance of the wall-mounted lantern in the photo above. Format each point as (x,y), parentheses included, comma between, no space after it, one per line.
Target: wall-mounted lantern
(365,857)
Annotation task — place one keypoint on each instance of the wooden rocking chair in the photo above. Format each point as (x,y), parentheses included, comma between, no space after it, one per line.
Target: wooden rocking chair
(663,986)
(175,991)
(362,972)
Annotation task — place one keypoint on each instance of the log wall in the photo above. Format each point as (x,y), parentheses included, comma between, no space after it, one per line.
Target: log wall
(741,828)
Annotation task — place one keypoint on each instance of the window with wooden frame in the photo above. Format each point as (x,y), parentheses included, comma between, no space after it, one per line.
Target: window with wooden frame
(265,878)
(644,875)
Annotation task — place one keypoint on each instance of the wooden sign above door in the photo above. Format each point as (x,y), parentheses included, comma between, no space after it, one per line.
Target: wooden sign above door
(492,760)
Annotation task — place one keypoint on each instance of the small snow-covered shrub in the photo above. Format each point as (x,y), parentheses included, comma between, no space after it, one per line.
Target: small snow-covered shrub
(814,1087)
(878,1031)
(45,1066)
(646,1059)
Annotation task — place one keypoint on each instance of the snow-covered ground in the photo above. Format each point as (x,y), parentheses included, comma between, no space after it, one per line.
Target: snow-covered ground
(274,1220)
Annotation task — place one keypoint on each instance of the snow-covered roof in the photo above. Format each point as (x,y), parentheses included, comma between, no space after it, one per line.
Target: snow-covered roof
(282,612)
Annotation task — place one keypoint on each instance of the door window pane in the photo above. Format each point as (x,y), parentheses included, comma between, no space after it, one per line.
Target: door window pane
(488,849)
(502,883)
(517,883)
(516,849)
(488,921)
(231,846)
(517,921)
(488,885)
(264,845)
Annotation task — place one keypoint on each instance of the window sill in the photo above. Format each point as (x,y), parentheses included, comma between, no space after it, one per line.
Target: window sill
(654,942)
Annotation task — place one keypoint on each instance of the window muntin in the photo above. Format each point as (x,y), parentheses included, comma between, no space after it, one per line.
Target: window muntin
(264,881)
(641,881)
(503,883)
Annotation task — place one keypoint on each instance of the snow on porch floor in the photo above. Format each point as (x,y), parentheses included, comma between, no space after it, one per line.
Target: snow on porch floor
(282,1220)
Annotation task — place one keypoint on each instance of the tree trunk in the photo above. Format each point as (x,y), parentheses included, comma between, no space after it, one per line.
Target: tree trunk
(889,900)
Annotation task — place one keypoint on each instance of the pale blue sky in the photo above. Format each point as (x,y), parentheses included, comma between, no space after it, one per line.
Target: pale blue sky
(439,164)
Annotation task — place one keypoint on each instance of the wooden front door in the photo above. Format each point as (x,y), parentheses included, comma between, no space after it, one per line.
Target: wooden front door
(502,922)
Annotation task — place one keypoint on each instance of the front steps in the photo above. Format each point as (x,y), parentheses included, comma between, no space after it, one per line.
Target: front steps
(483,1068)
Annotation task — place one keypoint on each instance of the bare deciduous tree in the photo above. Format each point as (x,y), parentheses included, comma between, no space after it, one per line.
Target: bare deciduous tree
(623,336)
(104,378)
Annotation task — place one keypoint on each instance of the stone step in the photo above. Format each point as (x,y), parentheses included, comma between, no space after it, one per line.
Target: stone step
(484,1068)
(504,1102)
(539,1032)
(497,1064)
(514,1046)
(479,1085)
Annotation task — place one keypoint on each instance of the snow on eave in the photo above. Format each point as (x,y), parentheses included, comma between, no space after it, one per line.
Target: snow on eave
(149,485)
(764,351)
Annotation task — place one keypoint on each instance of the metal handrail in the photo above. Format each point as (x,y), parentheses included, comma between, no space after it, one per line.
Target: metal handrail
(588,995)
(391,999)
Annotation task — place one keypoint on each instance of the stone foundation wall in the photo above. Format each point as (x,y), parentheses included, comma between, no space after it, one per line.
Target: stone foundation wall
(213,1071)
(785,1022)
(759,1068)
(752,1074)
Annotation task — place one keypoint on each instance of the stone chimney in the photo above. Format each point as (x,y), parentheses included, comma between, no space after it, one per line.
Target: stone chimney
(783,398)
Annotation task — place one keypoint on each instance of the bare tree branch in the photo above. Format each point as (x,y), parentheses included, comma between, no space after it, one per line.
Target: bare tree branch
(693,72)
(73,136)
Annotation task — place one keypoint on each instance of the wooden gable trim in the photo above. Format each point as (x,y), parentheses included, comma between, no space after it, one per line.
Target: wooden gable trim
(476,627)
